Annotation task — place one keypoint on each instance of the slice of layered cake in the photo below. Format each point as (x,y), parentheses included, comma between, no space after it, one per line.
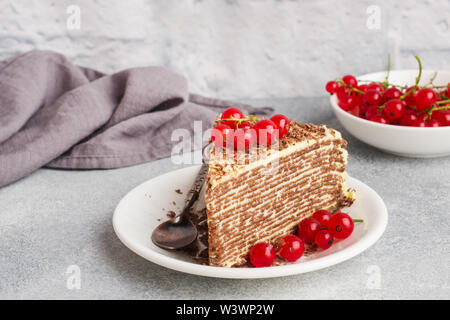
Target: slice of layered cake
(262,195)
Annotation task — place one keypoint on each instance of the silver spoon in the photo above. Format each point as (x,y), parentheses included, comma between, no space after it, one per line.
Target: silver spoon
(180,232)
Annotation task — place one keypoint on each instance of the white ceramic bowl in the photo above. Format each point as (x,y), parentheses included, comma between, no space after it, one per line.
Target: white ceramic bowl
(403,141)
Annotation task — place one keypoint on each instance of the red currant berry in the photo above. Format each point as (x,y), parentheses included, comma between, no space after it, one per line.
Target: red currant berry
(262,255)
(362,87)
(282,123)
(347,102)
(324,239)
(371,111)
(425,98)
(448,91)
(410,99)
(342,91)
(380,119)
(408,110)
(323,216)
(292,248)
(432,123)
(375,86)
(221,134)
(442,116)
(266,132)
(331,87)
(350,81)
(419,123)
(372,97)
(229,113)
(394,109)
(244,138)
(354,111)
(245,125)
(408,119)
(363,111)
(340,225)
(392,93)
(357,101)
(307,230)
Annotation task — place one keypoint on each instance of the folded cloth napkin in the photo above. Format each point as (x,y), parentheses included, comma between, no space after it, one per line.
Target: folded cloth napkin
(56,114)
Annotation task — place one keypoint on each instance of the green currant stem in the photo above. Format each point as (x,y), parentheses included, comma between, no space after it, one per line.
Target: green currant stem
(250,118)
(358,220)
(386,80)
(440,108)
(381,108)
(388,84)
(351,88)
(435,108)
(420,71)
(356,90)
(430,83)
(416,86)
(443,101)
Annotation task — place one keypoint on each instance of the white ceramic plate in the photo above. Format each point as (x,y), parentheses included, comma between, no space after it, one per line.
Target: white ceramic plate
(399,140)
(138,212)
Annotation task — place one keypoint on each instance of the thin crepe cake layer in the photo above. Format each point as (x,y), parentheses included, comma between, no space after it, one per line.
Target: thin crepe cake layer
(251,200)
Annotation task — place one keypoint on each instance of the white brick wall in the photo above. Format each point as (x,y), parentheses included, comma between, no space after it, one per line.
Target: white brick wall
(232,49)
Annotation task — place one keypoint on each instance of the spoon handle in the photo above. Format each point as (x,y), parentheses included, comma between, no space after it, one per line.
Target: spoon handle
(193,193)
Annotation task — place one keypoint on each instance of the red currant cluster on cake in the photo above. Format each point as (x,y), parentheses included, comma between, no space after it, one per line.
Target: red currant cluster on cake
(321,229)
(242,132)
(387,103)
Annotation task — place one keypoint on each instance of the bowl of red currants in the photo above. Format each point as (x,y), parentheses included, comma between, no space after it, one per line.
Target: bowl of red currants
(404,112)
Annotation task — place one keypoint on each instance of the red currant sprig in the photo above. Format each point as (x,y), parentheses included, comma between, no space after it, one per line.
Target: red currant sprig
(322,228)
(388,103)
(242,132)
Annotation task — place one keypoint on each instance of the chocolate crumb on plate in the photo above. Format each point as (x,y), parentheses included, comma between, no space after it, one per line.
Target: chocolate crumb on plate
(171,214)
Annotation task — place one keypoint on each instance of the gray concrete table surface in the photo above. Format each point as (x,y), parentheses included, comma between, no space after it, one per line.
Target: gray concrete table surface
(57,218)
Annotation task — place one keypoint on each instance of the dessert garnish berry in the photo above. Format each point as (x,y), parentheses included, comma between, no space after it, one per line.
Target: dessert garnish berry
(282,123)
(323,216)
(244,138)
(307,230)
(262,255)
(310,231)
(291,248)
(241,132)
(372,100)
(341,225)
(231,113)
(267,132)
(221,134)
(324,239)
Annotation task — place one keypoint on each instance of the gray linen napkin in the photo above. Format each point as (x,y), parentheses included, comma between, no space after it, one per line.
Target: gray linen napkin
(56,114)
